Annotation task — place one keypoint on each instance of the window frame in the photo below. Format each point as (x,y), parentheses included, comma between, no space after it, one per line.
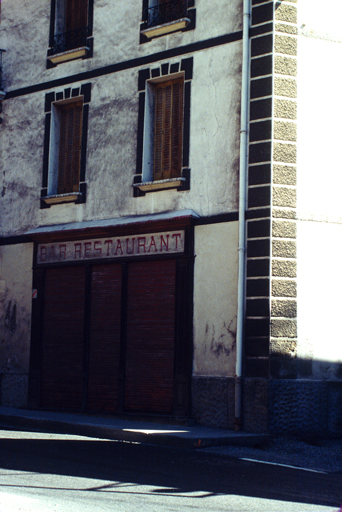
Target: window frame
(154,137)
(151,29)
(55,103)
(84,49)
(145,179)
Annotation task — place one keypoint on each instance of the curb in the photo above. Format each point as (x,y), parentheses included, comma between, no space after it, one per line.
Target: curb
(157,434)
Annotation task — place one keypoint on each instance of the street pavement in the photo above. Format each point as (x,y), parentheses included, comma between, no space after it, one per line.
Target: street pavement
(69,462)
(59,472)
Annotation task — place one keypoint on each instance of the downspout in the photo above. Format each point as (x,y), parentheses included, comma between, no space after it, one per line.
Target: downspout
(242,209)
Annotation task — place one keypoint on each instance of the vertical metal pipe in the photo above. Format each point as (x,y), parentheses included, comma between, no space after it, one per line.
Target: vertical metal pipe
(242,209)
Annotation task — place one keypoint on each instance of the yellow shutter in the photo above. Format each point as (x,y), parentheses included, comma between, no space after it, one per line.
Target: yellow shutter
(177,129)
(158,133)
(70,148)
(168,129)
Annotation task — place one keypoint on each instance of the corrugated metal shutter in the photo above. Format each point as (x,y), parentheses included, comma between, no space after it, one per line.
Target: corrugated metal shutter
(150,336)
(63,335)
(104,343)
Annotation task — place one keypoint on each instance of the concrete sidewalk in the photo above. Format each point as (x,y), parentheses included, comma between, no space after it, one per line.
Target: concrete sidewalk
(126,430)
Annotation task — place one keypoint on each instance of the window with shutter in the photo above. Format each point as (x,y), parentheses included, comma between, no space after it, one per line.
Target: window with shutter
(165,16)
(163,145)
(65,143)
(76,23)
(70,147)
(168,129)
(70,30)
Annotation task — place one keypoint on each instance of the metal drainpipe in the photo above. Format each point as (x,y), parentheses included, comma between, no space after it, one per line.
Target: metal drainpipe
(242,208)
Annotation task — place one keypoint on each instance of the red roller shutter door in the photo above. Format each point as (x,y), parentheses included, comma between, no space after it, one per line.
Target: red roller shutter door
(104,343)
(150,336)
(62,372)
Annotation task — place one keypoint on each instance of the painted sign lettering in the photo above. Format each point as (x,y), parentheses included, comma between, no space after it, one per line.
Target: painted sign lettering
(157,243)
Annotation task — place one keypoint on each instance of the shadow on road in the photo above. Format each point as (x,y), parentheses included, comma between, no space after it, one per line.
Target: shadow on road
(169,470)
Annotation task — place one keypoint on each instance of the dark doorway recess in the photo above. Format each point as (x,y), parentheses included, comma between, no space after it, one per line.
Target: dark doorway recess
(113,337)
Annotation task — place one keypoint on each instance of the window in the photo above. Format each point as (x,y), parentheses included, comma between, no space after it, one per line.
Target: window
(70,30)
(165,16)
(163,128)
(164,11)
(66,123)
(168,127)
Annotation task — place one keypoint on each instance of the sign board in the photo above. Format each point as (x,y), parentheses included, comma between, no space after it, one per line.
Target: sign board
(171,242)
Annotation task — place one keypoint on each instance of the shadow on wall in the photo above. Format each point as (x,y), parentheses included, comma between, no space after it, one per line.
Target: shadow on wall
(296,403)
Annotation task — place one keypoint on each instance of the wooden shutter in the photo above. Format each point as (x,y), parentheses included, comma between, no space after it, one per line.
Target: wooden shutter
(104,343)
(76,14)
(150,344)
(70,147)
(63,337)
(168,129)
(177,128)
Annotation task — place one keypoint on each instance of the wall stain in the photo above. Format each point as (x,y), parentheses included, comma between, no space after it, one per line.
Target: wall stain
(11,317)
(220,346)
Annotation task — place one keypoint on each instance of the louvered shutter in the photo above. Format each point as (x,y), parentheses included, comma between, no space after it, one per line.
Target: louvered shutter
(177,129)
(168,129)
(76,23)
(158,133)
(70,148)
(104,338)
(76,14)
(150,344)
(63,338)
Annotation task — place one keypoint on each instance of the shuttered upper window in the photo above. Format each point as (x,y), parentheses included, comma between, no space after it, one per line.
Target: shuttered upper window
(70,147)
(168,129)
(65,146)
(162,17)
(76,14)
(163,145)
(70,30)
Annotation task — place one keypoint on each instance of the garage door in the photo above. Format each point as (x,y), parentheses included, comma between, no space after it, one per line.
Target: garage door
(150,336)
(109,346)
(63,338)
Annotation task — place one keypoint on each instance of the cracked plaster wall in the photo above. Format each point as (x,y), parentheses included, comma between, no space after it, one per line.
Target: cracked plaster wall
(116,31)
(111,149)
(15,321)
(215,299)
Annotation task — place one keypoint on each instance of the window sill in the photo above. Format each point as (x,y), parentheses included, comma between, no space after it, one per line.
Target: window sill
(153,186)
(166,28)
(62,198)
(76,53)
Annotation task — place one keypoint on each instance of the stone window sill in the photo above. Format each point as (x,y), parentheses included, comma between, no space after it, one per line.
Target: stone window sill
(62,198)
(153,186)
(166,28)
(76,53)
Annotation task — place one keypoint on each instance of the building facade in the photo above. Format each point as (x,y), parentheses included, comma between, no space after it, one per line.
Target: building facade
(165,249)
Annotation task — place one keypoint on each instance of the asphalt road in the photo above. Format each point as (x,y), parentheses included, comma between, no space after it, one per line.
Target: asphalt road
(60,473)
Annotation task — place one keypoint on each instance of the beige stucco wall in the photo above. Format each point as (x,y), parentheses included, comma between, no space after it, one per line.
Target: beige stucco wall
(116,31)
(15,321)
(215,299)
(112,148)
